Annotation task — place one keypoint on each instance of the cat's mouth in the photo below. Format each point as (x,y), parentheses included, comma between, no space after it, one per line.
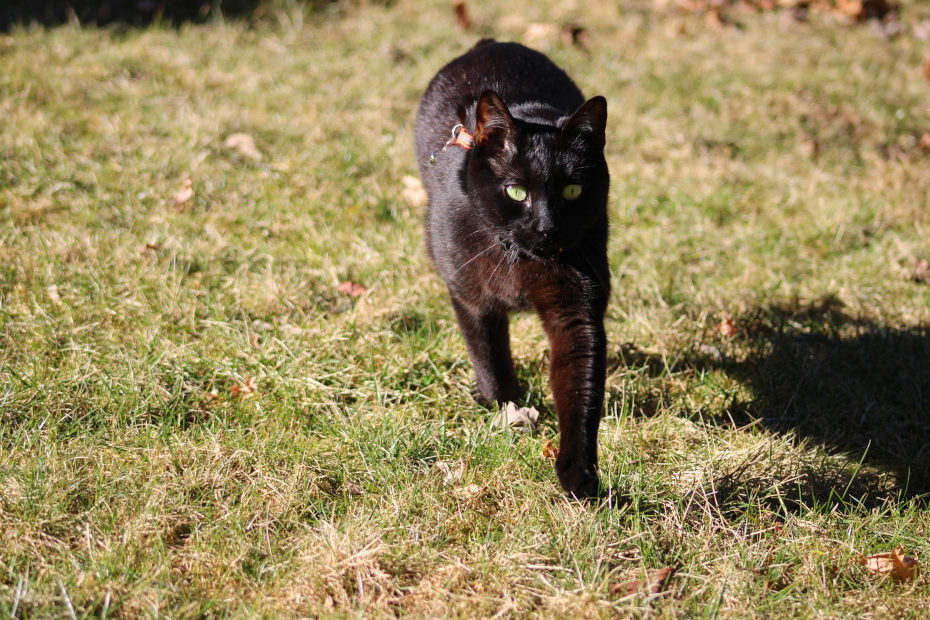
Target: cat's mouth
(539,251)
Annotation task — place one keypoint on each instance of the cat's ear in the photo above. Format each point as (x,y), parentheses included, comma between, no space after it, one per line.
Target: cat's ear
(493,122)
(589,120)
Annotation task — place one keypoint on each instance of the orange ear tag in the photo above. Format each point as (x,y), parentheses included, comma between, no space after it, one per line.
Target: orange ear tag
(460,137)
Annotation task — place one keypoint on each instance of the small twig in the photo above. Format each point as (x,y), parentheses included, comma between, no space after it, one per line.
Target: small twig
(719,600)
(16,597)
(64,593)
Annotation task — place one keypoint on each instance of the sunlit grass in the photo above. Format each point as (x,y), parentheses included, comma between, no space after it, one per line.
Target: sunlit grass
(766,416)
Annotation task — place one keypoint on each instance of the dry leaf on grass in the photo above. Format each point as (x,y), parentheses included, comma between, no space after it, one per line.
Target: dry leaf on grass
(727,327)
(185,193)
(248,389)
(462,17)
(469,492)
(540,34)
(549,451)
(353,289)
(896,564)
(413,191)
(518,419)
(451,472)
(655,582)
(244,144)
(574,34)
(921,273)
(925,141)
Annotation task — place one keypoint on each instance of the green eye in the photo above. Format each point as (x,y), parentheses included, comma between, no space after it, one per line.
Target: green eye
(516,192)
(570,192)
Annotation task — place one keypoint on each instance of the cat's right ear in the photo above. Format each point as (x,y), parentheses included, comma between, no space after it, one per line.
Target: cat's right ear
(493,122)
(590,120)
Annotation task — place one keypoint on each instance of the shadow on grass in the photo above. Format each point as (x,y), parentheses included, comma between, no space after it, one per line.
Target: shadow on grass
(135,12)
(850,385)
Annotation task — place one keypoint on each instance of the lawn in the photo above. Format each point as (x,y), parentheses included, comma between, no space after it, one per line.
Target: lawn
(232,385)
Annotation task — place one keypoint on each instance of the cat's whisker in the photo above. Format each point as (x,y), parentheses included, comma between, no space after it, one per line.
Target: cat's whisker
(480,230)
(490,277)
(473,258)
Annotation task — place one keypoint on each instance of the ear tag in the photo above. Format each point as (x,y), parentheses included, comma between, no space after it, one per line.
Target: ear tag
(460,137)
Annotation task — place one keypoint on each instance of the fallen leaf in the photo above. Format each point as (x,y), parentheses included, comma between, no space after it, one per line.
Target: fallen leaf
(549,451)
(518,419)
(185,193)
(925,141)
(413,191)
(852,9)
(248,389)
(655,582)
(538,35)
(921,30)
(727,327)
(53,296)
(461,16)
(927,68)
(468,492)
(353,289)
(573,34)
(896,564)
(921,273)
(451,472)
(244,144)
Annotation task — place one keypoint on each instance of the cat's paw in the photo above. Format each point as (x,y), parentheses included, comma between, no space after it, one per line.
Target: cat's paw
(578,481)
(480,398)
(514,394)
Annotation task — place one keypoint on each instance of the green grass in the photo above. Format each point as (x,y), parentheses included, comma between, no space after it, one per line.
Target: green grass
(767,176)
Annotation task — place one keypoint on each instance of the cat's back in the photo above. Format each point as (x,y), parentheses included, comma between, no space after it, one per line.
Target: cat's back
(515,72)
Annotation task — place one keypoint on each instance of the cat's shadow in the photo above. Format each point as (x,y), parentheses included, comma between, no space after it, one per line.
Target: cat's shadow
(851,385)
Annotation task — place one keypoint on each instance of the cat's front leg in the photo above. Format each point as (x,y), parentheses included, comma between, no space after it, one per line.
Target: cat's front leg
(487,337)
(578,362)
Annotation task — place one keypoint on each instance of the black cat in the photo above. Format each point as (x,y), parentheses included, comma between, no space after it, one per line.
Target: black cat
(512,158)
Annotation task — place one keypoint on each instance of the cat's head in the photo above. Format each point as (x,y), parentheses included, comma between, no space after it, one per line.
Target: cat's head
(540,187)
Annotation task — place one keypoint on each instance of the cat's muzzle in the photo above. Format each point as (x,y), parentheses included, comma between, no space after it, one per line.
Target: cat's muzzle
(544,249)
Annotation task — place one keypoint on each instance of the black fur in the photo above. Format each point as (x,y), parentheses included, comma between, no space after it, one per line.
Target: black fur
(532,130)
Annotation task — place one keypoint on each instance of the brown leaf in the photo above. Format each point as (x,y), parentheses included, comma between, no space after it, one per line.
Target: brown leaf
(655,582)
(185,193)
(852,9)
(461,16)
(413,191)
(896,564)
(353,289)
(927,68)
(921,273)
(727,327)
(573,34)
(244,144)
(925,141)
(540,34)
(549,451)
(248,389)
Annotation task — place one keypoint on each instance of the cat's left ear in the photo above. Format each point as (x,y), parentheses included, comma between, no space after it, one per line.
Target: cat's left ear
(589,120)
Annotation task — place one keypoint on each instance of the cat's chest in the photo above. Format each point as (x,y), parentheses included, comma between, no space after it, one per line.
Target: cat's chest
(498,277)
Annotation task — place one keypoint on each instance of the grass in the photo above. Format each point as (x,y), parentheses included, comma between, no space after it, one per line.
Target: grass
(766,417)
